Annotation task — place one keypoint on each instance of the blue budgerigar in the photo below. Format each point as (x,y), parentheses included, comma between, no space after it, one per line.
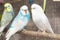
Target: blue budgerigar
(7,16)
(19,22)
(40,19)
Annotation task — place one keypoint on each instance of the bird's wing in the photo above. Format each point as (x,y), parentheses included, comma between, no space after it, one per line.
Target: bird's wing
(6,18)
(43,21)
(16,26)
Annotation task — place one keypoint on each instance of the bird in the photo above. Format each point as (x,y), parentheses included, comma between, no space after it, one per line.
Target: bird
(19,22)
(40,19)
(7,16)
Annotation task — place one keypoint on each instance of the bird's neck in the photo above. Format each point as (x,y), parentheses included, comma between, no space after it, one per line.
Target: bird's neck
(21,14)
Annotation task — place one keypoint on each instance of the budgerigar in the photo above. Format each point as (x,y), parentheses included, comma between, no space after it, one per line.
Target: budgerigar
(19,22)
(7,16)
(40,19)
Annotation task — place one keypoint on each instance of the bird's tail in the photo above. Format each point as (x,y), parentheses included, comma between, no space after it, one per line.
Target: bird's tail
(2,28)
(8,34)
(7,38)
(51,31)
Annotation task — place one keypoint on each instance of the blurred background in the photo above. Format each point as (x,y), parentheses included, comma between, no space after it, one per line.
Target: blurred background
(52,11)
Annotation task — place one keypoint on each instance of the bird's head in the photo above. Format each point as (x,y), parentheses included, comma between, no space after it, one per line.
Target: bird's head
(8,7)
(35,7)
(24,9)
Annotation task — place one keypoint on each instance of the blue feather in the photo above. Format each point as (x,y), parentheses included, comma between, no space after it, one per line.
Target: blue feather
(18,17)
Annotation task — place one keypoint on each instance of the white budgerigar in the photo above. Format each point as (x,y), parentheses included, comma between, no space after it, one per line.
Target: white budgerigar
(40,19)
(19,22)
(7,16)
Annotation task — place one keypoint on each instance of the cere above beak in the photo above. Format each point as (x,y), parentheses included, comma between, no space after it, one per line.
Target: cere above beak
(25,11)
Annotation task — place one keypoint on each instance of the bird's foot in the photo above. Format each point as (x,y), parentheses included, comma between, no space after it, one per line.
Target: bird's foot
(39,31)
(43,32)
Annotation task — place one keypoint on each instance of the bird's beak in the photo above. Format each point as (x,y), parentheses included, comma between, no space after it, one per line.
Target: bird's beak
(25,11)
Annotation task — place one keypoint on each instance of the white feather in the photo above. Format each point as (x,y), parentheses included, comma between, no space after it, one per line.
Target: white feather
(40,19)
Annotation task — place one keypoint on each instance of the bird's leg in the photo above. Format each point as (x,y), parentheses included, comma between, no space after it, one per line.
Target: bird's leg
(24,29)
(43,32)
(39,31)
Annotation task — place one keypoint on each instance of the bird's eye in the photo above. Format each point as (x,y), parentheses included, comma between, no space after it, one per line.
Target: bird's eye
(22,9)
(33,8)
(8,6)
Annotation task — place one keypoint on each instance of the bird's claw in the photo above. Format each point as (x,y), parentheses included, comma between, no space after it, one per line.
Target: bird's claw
(43,32)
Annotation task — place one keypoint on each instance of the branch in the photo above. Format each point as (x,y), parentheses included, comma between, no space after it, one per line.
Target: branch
(40,34)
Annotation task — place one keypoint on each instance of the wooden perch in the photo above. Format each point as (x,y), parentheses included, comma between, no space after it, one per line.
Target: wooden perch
(40,34)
